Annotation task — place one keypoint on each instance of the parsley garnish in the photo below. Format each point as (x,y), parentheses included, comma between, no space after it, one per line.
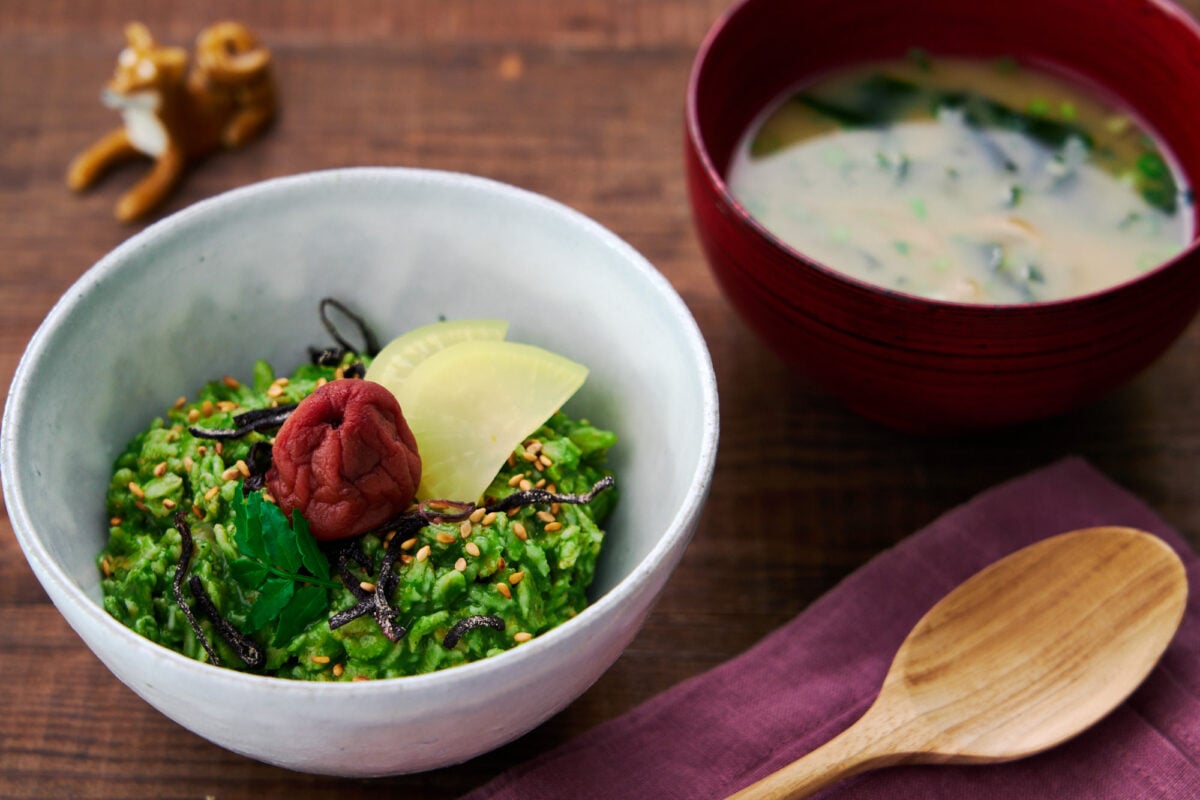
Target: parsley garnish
(282,563)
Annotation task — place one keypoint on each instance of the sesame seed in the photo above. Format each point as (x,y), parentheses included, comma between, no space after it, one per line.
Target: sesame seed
(212,492)
(202,451)
(242,468)
(231,382)
(406,559)
(390,535)
(552,489)
(366,586)
(503,589)
(220,447)
(438,505)
(360,678)
(160,469)
(445,538)
(500,562)
(541,484)
(545,516)
(534,446)
(423,553)
(136,490)
(525,485)
(408,544)
(512,459)
(274,390)
(180,403)
(489,518)
(516,479)
(106,567)
(197,511)
(516,578)
(193,415)
(553,526)
(226,405)
(230,474)
(188,463)
(523,636)
(339,373)
(477,515)
(115,521)
(270,498)
(520,531)
(338,670)
(322,381)
(545,461)
(461,565)
(472,549)
(168,503)
(464,530)
(512,512)
(284,381)
(207,408)
(320,659)
(528,456)
(140,505)
(554,508)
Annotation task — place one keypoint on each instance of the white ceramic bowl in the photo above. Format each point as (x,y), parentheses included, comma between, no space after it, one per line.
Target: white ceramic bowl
(204,292)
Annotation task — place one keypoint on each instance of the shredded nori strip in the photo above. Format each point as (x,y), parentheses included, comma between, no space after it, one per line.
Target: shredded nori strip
(370,343)
(376,603)
(328,357)
(352,551)
(249,652)
(258,460)
(246,649)
(185,558)
(254,421)
(542,496)
(469,624)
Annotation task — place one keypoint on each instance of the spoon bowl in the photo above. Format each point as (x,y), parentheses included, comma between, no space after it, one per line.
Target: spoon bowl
(1024,655)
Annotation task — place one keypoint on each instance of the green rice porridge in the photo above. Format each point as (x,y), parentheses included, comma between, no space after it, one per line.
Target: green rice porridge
(448,584)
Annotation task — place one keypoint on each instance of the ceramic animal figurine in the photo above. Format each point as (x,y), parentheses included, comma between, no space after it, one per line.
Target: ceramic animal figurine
(174,114)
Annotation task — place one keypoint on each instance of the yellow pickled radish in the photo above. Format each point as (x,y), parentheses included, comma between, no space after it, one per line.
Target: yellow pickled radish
(471,404)
(401,355)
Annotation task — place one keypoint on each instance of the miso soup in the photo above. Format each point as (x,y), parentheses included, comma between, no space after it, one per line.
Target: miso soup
(965,180)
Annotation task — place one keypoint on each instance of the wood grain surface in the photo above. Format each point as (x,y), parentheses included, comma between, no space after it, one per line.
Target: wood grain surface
(578,99)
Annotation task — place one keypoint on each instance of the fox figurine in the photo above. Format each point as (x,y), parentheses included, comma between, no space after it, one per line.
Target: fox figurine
(174,114)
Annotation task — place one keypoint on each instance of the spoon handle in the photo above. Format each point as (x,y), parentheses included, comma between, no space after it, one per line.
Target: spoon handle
(860,747)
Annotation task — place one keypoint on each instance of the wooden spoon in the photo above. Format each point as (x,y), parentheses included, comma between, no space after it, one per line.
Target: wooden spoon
(1021,657)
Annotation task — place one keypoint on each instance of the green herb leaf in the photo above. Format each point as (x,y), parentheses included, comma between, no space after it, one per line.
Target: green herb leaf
(279,538)
(248,572)
(310,555)
(307,605)
(273,595)
(282,563)
(249,536)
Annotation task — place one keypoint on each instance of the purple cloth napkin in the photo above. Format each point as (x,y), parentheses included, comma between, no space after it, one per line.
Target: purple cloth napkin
(797,688)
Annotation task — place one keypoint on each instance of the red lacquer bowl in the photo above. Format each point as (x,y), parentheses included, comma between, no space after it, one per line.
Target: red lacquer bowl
(905,361)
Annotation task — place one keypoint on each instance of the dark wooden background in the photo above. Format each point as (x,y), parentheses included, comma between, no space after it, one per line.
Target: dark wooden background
(578,99)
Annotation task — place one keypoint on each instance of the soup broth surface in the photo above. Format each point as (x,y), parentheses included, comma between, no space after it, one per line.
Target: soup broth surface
(965,180)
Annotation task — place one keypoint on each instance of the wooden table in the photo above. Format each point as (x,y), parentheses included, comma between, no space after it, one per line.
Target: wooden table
(581,100)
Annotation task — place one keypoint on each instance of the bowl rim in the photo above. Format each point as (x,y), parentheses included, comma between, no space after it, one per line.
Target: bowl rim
(62,588)
(698,146)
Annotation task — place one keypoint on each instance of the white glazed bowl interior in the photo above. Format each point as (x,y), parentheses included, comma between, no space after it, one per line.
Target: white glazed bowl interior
(205,292)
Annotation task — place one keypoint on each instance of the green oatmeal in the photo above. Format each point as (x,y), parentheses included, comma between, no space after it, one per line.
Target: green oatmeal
(529,567)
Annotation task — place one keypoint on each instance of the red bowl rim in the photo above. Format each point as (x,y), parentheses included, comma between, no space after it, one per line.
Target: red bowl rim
(697,143)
